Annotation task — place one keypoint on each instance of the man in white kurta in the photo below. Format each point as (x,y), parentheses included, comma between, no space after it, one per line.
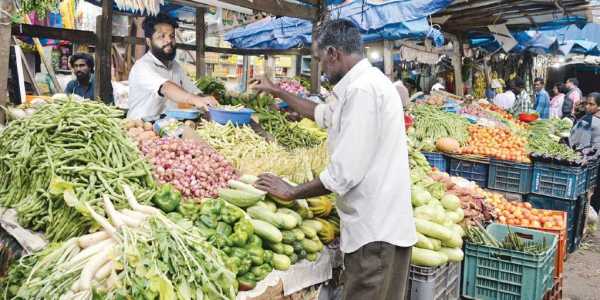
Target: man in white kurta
(368,167)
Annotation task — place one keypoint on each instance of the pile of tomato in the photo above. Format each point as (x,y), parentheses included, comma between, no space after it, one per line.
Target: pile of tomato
(523,214)
(499,143)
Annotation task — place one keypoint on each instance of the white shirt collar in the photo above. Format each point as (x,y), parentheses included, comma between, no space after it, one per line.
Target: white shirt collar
(356,70)
(159,63)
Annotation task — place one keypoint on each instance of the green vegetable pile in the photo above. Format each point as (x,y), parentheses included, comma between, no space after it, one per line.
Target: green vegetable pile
(65,150)
(432,123)
(139,254)
(479,236)
(544,137)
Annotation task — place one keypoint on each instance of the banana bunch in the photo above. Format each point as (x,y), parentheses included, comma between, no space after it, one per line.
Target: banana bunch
(321,206)
(479,86)
(328,231)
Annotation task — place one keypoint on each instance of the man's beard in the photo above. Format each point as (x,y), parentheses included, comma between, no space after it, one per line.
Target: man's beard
(162,55)
(82,76)
(334,78)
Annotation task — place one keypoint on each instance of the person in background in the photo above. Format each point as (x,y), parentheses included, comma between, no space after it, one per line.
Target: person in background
(505,100)
(368,167)
(440,85)
(558,98)
(586,132)
(410,85)
(82,65)
(572,99)
(542,99)
(522,100)
(157,81)
(402,91)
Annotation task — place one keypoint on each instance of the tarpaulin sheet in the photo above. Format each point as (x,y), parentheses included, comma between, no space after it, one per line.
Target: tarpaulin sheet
(390,20)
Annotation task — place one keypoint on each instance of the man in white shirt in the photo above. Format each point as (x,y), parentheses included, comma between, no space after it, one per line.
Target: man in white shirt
(368,168)
(506,100)
(157,81)
(439,85)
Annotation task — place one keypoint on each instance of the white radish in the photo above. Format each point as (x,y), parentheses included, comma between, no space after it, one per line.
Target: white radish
(136,205)
(89,252)
(92,239)
(111,230)
(112,280)
(105,270)
(74,287)
(95,263)
(112,212)
(133,214)
(129,221)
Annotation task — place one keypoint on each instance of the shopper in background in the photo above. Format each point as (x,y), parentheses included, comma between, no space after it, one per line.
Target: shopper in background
(157,81)
(522,100)
(402,91)
(558,98)
(542,99)
(368,167)
(572,103)
(505,100)
(586,132)
(440,85)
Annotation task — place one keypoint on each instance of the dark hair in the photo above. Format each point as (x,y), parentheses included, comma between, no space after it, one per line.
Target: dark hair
(341,34)
(89,60)
(410,82)
(561,88)
(539,79)
(520,83)
(596,97)
(574,81)
(150,23)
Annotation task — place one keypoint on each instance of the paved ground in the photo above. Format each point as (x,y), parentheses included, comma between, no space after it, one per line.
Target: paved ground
(582,271)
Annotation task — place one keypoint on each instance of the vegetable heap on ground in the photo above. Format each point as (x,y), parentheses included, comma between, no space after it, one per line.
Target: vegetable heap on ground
(139,254)
(194,168)
(68,149)
(432,123)
(252,154)
(496,142)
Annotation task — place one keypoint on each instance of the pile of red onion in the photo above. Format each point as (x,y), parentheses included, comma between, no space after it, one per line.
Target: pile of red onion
(292,86)
(195,169)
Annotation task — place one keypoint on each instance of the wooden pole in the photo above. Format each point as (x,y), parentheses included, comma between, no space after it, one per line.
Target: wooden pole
(315,73)
(245,68)
(388,61)
(200,42)
(457,64)
(103,86)
(5,34)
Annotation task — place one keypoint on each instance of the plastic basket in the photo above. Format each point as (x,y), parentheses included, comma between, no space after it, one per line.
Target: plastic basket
(183,114)
(510,176)
(573,209)
(242,117)
(558,181)
(471,169)
(437,160)
(557,290)
(561,251)
(494,273)
(592,174)
(435,283)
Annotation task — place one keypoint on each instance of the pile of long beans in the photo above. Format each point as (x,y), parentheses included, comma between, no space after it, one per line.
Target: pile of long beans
(252,154)
(432,123)
(67,149)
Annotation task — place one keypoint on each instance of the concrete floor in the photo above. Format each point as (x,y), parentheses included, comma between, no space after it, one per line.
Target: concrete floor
(582,271)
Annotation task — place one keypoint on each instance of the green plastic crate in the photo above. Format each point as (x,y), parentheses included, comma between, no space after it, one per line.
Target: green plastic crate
(493,273)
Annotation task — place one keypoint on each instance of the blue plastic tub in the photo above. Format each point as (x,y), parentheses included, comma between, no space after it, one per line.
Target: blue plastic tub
(471,169)
(242,117)
(558,181)
(437,160)
(510,176)
(183,114)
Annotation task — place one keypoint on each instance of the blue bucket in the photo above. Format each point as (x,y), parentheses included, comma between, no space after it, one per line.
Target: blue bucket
(183,114)
(221,116)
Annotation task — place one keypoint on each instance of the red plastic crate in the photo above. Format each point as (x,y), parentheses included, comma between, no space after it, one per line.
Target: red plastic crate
(561,252)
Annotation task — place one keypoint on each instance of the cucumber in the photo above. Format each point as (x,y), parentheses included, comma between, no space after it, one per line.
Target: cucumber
(277,248)
(310,246)
(288,249)
(248,179)
(281,262)
(314,224)
(240,186)
(292,213)
(309,232)
(288,237)
(239,198)
(281,221)
(312,256)
(267,205)
(267,231)
(299,234)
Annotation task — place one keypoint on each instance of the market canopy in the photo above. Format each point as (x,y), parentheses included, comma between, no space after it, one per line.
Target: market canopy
(389,20)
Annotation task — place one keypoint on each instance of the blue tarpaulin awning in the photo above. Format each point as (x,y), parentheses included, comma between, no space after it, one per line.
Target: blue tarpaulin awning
(389,20)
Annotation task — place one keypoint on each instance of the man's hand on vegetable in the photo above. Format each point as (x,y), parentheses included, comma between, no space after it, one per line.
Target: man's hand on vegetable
(275,186)
(204,102)
(263,84)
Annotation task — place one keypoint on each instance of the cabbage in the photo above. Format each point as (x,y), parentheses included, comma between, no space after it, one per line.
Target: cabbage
(419,196)
(427,258)
(450,202)
(453,254)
